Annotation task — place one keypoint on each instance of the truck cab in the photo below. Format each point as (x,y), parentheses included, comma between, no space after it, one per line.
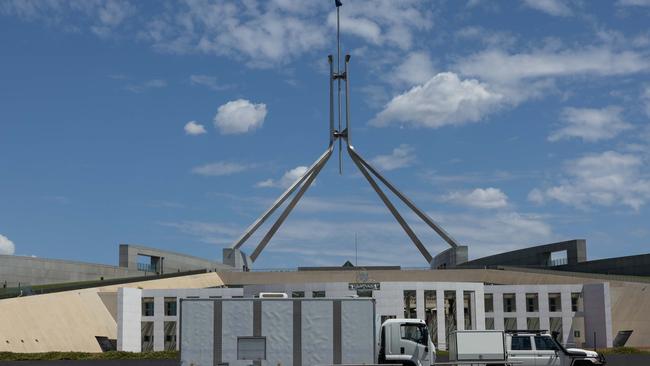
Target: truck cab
(531,348)
(406,342)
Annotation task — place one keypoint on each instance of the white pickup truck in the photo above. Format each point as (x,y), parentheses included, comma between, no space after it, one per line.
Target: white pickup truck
(530,348)
(521,348)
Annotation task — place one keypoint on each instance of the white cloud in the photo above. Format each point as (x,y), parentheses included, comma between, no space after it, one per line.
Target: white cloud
(645,98)
(633,2)
(499,67)
(590,124)
(220,168)
(551,7)
(416,69)
(207,81)
(99,17)
(194,128)
(480,197)
(401,157)
(606,179)
(384,22)
(443,100)
(286,180)
(146,85)
(264,34)
(239,116)
(7,247)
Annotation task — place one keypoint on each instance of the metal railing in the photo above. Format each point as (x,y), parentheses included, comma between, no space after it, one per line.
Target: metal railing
(558,262)
(146,267)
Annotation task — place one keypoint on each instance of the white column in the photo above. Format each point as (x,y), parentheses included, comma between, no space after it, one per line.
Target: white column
(419,303)
(479,305)
(440,317)
(497,296)
(520,300)
(460,310)
(129,319)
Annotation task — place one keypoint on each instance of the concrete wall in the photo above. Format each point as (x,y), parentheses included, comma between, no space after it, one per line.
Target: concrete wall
(450,258)
(171,261)
(571,320)
(35,271)
(535,256)
(598,320)
(634,265)
(130,305)
(28,271)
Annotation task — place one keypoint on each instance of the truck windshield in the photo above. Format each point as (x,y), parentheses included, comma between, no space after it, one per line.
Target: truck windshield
(415,332)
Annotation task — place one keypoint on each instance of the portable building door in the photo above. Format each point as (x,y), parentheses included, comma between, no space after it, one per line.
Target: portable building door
(271,332)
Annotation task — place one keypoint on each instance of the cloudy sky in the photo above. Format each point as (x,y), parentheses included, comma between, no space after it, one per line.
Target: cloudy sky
(175,124)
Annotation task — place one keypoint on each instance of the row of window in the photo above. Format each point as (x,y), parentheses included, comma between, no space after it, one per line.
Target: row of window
(147,336)
(299,294)
(170,305)
(532,302)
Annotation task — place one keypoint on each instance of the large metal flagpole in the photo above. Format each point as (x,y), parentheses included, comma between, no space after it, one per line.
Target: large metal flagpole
(303,183)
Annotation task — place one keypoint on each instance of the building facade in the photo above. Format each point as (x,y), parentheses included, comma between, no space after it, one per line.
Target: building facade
(147,319)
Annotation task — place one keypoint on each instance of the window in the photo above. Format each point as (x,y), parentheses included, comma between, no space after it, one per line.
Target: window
(576,334)
(146,331)
(298,294)
(575,301)
(170,336)
(509,304)
(489,303)
(147,306)
(364,293)
(554,302)
(510,323)
(532,323)
(415,332)
(410,311)
(318,294)
(215,297)
(468,310)
(545,344)
(489,323)
(532,303)
(556,329)
(431,314)
(386,317)
(521,343)
(251,348)
(450,313)
(170,306)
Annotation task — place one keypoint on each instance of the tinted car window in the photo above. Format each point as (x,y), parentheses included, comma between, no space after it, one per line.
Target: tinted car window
(545,344)
(520,343)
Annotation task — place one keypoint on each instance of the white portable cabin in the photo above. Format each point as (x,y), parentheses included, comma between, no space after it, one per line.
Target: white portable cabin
(276,331)
(477,345)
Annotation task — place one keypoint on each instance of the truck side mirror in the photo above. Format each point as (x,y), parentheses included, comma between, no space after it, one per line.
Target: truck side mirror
(401,350)
(426,349)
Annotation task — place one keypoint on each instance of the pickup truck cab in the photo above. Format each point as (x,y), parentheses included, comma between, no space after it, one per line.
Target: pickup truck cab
(530,348)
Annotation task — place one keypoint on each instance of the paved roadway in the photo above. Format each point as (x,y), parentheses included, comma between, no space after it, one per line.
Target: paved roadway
(612,360)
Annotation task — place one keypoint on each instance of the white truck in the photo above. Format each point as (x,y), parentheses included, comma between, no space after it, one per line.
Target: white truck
(294,332)
(521,347)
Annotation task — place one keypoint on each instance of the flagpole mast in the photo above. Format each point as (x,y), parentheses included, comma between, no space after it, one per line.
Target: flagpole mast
(338,72)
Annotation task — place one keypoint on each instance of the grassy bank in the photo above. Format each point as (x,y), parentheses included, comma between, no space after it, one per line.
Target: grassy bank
(623,351)
(112,355)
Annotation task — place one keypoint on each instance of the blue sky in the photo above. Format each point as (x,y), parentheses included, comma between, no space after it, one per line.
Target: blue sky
(174,125)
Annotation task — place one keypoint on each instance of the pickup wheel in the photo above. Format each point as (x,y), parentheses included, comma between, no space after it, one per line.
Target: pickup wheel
(582,363)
